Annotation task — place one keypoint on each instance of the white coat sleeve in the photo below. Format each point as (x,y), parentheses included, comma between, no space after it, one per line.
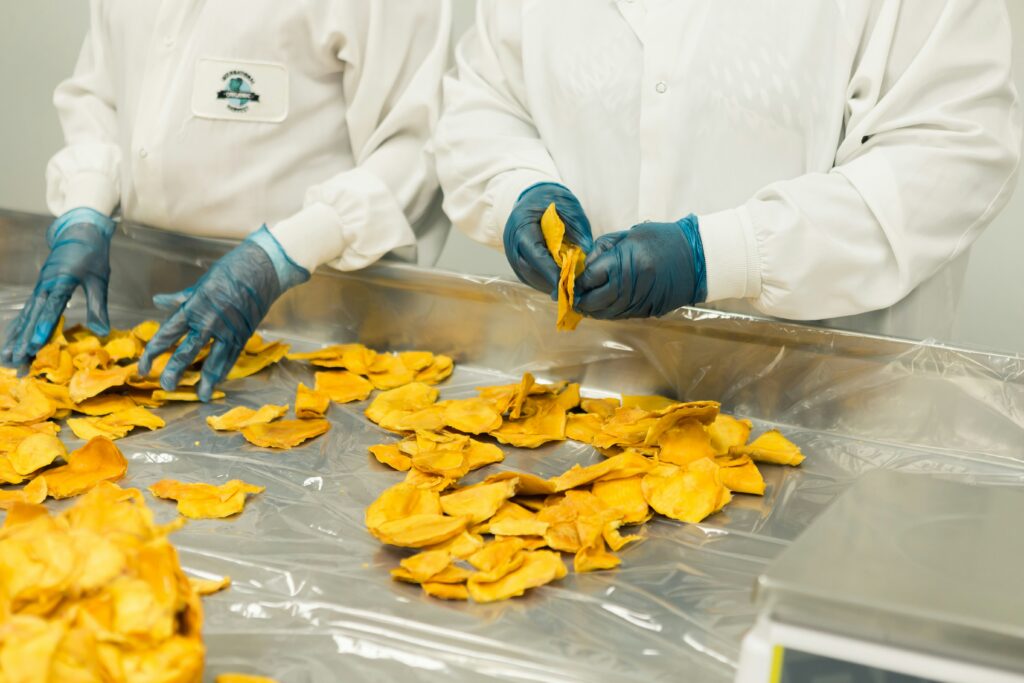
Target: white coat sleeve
(394,54)
(928,157)
(488,149)
(86,172)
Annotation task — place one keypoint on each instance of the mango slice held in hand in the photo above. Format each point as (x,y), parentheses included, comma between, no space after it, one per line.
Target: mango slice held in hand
(206,501)
(98,460)
(95,593)
(241,417)
(570,260)
(284,433)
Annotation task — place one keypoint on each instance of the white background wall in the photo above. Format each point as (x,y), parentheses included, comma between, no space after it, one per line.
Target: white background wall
(40,40)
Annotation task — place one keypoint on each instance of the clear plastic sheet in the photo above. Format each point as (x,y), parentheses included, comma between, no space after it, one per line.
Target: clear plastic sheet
(312,601)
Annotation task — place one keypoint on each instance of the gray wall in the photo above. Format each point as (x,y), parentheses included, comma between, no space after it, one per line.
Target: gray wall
(45,36)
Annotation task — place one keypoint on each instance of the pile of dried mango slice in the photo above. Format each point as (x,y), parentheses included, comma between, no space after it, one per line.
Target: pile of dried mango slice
(95,593)
(498,538)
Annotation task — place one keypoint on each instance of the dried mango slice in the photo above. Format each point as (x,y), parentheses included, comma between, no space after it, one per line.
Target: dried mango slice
(497,558)
(285,433)
(704,412)
(390,455)
(688,495)
(445,591)
(28,404)
(771,447)
(615,540)
(471,415)
(242,678)
(343,386)
(86,428)
(401,501)
(583,427)
(461,546)
(627,464)
(538,568)
(91,382)
(310,403)
(34,493)
(602,407)
(105,404)
(249,364)
(389,372)
(206,501)
(115,425)
(727,431)
(416,360)
(650,403)
(529,484)
(12,435)
(241,417)
(123,348)
(7,473)
(685,442)
(627,427)
(54,363)
(93,359)
(180,394)
(98,460)
(407,399)
(438,370)
(594,556)
(204,587)
(546,423)
(740,474)
(626,496)
(417,531)
(145,331)
(569,258)
(58,395)
(36,452)
(421,566)
(427,481)
(478,502)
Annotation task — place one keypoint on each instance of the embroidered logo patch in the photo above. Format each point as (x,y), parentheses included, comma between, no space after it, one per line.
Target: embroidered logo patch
(238,90)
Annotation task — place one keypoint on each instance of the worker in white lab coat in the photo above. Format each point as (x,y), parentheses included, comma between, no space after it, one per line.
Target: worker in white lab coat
(812,158)
(308,118)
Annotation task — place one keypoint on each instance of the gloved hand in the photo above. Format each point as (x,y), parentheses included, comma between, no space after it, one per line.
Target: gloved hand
(226,305)
(648,270)
(79,255)
(524,242)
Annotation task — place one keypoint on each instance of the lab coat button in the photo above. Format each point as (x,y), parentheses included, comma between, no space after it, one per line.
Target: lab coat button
(168,41)
(661,86)
(143,153)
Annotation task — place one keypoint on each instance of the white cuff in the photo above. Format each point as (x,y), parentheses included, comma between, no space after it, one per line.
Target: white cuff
(349,222)
(311,237)
(505,190)
(731,255)
(84,175)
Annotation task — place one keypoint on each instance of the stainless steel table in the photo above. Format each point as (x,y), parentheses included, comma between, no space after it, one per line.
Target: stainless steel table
(312,600)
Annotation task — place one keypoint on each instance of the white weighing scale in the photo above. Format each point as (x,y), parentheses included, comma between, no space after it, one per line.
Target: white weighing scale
(903,579)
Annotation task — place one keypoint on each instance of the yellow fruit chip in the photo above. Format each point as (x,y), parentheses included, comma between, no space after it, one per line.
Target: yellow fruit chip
(206,501)
(284,433)
(771,447)
(343,386)
(310,403)
(97,461)
(241,417)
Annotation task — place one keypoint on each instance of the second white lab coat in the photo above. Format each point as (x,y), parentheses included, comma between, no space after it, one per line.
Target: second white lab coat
(837,154)
(324,137)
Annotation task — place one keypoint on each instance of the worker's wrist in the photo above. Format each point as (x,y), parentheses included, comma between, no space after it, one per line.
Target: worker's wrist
(691,229)
(289,273)
(104,224)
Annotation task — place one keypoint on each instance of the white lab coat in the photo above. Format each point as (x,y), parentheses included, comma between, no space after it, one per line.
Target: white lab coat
(326,143)
(837,154)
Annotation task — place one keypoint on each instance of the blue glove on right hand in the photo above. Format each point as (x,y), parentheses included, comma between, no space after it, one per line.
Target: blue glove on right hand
(648,270)
(79,255)
(224,307)
(525,248)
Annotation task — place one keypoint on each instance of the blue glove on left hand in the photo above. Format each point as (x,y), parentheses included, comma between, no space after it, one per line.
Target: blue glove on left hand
(649,270)
(525,248)
(79,256)
(225,305)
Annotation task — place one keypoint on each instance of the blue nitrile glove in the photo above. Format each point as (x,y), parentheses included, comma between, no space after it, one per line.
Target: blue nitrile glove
(524,242)
(648,270)
(79,256)
(225,305)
